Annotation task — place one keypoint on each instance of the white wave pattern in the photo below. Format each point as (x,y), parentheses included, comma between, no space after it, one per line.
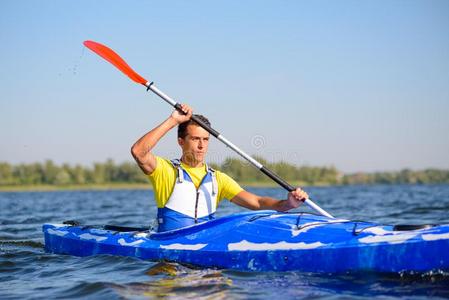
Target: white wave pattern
(435,236)
(378,230)
(88,236)
(380,235)
(183,246)
(246,246)
(389,238)
(133,244)
(57,232)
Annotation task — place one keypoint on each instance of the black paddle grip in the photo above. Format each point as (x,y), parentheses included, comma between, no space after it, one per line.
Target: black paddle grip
(199,122)
(278,179)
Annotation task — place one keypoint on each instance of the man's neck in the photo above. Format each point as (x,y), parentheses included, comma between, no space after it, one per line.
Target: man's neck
(192,163)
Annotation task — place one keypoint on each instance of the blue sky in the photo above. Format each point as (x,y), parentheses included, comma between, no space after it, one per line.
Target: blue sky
(361,85)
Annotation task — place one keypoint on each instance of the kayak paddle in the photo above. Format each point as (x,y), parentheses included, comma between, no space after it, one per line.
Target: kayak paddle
(112,57)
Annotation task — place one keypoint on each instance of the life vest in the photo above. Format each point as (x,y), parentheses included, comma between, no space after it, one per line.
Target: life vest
(187,204)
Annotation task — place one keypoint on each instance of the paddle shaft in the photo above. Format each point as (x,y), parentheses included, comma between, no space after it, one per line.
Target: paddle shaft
(255,163)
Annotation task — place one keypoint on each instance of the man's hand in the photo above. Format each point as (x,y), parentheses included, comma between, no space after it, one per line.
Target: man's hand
(180,117)
(255,202)
(296,197)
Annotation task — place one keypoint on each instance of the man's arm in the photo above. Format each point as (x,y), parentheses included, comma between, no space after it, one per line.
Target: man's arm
(141,150)
(255,202)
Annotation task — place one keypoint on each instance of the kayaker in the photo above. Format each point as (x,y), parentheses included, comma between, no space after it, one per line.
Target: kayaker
(187,190)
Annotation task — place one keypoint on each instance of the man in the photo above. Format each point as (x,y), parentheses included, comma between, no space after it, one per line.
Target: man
(187,191)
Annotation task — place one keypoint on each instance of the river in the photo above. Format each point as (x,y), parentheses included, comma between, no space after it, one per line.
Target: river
(28,272)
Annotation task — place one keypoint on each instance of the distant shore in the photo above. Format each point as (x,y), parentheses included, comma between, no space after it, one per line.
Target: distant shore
(48,176)
(119,186)
(75,187)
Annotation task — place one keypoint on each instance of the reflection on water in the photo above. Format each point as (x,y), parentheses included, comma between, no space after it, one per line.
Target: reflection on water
(26,271)
(169,280)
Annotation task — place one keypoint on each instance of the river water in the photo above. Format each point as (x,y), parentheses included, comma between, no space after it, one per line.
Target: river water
(27,272)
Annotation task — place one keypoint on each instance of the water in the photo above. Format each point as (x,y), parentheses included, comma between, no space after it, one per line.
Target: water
(27,272)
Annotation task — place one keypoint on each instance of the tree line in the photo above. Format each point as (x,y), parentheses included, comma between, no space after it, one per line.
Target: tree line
(109,172)
(49,173)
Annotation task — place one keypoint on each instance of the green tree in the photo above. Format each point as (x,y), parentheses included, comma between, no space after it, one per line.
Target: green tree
(6,174)
(98,173)
(50,172)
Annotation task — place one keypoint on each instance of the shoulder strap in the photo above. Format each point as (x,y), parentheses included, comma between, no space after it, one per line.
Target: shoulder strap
(214,180)
(177,164)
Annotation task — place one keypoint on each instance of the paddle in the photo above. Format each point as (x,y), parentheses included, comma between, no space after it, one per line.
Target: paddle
(118,62)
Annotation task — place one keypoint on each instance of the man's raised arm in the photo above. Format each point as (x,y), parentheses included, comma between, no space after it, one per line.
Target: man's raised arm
(141,150)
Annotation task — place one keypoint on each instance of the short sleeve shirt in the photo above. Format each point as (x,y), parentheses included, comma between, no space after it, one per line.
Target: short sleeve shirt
(164,177)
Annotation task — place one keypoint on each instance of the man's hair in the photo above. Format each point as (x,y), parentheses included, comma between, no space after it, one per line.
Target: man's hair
(182,128)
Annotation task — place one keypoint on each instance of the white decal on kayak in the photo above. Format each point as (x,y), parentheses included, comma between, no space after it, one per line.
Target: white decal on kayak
(307,226)
(141,234)
(391,238)
(435,236)
(274,216)
(183,247)
(251,264)
(245,245)
(125,243)
(57,232)
(378,230)
(98,231)
(296,231)
(88,236)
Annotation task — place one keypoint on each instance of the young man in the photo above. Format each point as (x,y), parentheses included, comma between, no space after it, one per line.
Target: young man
(187,191)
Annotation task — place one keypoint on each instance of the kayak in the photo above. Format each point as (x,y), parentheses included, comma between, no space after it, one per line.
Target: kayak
(267,241)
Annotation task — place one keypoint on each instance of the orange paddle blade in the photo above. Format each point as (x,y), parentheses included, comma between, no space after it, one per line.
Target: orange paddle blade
(115,59)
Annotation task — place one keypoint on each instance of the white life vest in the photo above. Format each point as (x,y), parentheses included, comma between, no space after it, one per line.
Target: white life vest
(190,201)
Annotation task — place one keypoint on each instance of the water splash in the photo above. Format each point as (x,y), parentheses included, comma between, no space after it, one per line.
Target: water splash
(78,61)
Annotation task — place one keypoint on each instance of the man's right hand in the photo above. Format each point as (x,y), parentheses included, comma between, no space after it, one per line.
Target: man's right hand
(180,117)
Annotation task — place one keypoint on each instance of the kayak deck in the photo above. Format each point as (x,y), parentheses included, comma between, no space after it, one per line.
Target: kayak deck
(268,241)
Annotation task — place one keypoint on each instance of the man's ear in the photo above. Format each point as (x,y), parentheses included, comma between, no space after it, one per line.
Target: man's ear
(180,141)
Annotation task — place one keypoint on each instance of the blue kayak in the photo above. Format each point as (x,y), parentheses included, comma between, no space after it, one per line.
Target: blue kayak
(268,241)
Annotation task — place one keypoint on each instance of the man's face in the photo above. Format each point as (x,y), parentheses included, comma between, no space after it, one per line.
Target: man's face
(194,145)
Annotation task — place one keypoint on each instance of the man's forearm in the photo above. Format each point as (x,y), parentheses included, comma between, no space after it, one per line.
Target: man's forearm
(274,204)
(255,202)
(150,139)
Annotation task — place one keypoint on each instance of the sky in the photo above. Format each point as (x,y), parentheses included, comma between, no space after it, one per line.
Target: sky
(359,85)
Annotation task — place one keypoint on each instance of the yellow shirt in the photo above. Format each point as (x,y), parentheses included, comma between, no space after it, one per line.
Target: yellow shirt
(165,175)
